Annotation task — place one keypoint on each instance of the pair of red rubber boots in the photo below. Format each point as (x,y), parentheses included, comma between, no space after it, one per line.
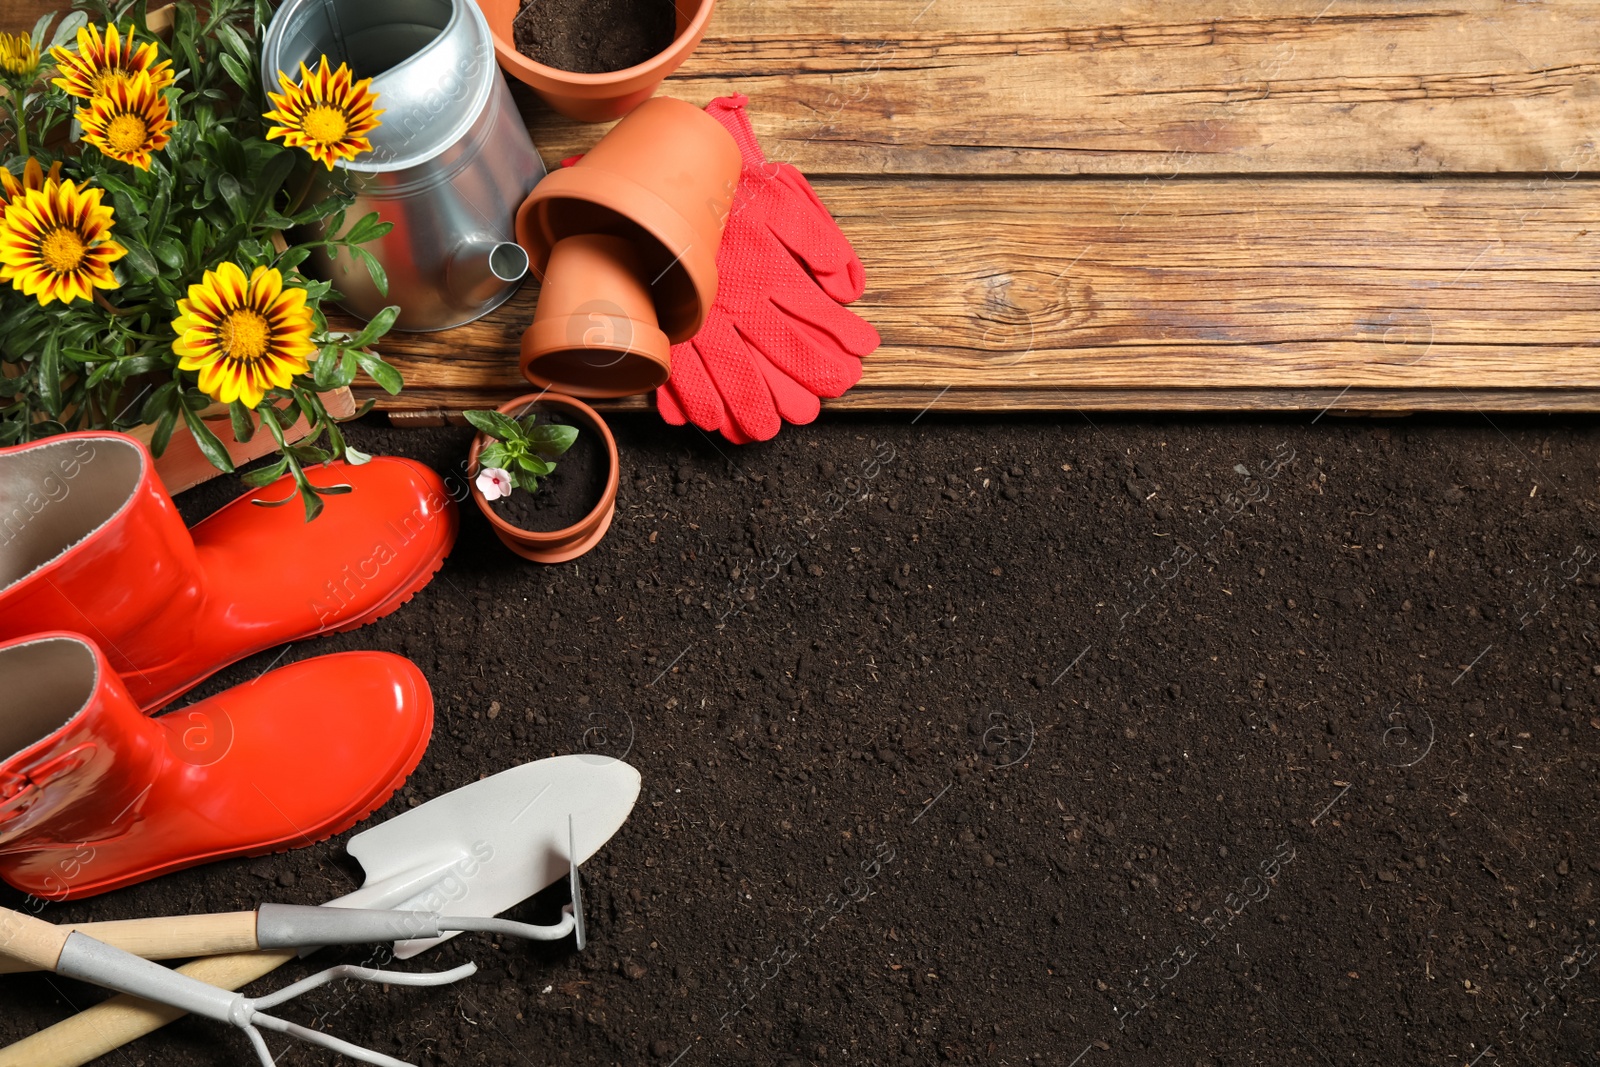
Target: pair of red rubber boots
(110,608)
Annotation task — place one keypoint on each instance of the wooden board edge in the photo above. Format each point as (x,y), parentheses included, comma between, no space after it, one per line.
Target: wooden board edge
(1175,401)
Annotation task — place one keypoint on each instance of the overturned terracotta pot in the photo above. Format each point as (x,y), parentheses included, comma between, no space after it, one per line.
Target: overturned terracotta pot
(663,180)
(596,97)
(594,333)
(555,546)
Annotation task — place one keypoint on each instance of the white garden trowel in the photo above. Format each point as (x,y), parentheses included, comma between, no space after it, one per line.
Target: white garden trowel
(444,867)
(489,846)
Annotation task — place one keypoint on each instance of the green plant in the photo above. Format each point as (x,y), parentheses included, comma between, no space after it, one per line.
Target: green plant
(206,193)
(522,451)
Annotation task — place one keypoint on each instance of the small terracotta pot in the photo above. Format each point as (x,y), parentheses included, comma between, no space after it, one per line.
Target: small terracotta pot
(663,178)
(555,546)
(596,97)
(594,333)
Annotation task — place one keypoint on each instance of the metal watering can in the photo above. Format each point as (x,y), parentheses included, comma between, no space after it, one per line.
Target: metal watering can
(449,165)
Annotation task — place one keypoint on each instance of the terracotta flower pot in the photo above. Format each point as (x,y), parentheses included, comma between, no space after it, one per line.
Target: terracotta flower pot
(663,178)
(555,546)
(596,97)
(594,333)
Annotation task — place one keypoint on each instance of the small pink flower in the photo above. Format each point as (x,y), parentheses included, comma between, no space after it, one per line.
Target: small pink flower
(494,483)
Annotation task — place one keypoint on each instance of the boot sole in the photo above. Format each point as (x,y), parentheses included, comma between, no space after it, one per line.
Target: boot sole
(404,595)
(274,848)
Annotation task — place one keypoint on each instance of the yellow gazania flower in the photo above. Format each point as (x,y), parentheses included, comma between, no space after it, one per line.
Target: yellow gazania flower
(18,56)
(55,243)
(33,177)
(325,114)
(100,62)
(128,121)
(244,336)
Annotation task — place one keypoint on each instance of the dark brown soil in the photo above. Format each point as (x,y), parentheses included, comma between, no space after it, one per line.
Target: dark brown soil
(569,493)
(1024,742)
(593,36)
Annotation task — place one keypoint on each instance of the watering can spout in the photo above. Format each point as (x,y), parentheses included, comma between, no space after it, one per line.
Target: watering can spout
(481,267)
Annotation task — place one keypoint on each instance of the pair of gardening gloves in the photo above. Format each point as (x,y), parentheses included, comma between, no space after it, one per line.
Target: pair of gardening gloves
(777,337)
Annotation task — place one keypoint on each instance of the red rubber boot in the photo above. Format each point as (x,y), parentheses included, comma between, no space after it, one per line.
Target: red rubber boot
(90,542)
(95,795)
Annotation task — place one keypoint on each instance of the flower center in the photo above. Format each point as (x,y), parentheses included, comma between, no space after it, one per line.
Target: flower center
(244,334)
(105,79)
(127,134)
(62,250)
(325,125)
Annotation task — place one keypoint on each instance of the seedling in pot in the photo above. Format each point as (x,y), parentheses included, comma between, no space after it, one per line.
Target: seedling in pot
(520,452)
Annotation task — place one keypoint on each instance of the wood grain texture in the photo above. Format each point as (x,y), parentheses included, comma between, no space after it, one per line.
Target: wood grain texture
(1070,293)
(1107,87)
(1033,87)
(1086,205)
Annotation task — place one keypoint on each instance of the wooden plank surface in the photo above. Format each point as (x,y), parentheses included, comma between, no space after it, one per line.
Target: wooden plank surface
(1048,288)
(1108,87)
(1180,205)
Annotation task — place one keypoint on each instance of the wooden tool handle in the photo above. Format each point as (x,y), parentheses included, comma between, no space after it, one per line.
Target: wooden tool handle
(175,938)
(112,1024)
(33,942)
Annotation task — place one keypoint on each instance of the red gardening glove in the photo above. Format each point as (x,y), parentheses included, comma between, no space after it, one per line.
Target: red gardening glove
(775,339)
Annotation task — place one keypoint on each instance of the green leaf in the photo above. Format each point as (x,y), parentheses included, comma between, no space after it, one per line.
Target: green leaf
(320,210)
(68,30)
(367,228)
(170,251)
(235,70)
(551,440)
(326,372)
(500,427)
(138,257)
(266,475)
(380,280)
(381,323)
(232,193)
(493,455)
(535,465)
(380,372)
(526,480)
(233,42)
(48,375)
(210,447)
(355,457)
(244,423)
(163,434)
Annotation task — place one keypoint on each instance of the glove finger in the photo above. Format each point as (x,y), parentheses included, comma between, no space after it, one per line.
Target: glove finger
(827,322)
(729,110)
(697,396)
(730,433)
(794,401)
(668,406)
(733,370)
(825,369)
(811,235)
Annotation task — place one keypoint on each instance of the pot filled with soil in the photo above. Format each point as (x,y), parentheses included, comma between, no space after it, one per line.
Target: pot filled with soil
(595,60)
(544,473)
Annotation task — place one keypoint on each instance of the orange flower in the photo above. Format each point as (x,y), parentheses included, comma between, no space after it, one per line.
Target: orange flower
(101,62)
(244,336)
(128,121)
(325,114)
(33,177)
(55,243)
